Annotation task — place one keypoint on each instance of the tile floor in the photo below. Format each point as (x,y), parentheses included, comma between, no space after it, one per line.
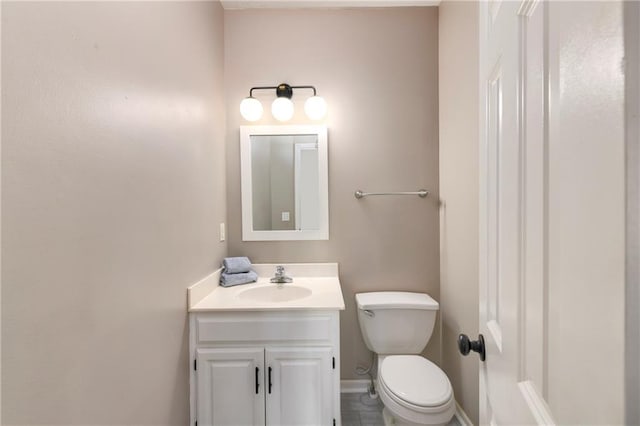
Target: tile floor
(360,410)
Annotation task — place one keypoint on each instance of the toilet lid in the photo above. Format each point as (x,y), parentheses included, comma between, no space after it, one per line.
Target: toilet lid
(415,380)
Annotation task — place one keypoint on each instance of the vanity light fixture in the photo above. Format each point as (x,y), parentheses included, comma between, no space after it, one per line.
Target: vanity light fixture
(282,108)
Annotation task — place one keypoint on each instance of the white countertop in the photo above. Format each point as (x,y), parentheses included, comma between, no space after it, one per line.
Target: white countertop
(320,278)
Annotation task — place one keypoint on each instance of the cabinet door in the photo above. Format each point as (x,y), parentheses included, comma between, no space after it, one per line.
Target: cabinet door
(230,387)
(301,386)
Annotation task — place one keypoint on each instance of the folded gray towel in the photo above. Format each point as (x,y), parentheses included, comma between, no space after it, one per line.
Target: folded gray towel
(229,280)
(236,265)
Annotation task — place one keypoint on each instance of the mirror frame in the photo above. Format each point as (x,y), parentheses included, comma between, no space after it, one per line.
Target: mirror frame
(248,233)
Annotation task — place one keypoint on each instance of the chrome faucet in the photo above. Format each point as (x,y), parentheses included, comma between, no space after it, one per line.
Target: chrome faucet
(280,277)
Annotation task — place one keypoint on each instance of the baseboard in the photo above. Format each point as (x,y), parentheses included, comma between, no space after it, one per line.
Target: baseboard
(354,386)
(462,417)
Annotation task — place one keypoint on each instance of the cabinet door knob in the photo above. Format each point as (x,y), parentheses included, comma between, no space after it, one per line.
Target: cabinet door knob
(465,345)
(269,379)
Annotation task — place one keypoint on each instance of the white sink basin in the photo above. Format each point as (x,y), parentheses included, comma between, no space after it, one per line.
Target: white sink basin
(275,293)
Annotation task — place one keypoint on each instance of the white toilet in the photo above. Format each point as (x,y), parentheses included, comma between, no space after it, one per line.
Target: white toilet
(397,326)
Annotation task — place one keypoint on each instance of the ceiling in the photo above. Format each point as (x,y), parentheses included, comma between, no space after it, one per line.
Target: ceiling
(303,4)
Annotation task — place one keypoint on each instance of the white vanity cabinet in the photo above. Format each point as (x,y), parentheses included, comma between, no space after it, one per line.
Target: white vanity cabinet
(274,368)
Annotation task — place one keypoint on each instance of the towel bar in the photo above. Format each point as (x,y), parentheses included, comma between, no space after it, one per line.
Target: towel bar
(421,193)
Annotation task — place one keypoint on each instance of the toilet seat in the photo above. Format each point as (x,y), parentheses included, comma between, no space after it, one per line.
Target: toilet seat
(405,391)
(415,381)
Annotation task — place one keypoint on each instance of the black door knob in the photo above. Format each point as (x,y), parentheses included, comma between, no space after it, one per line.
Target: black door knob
(465,345)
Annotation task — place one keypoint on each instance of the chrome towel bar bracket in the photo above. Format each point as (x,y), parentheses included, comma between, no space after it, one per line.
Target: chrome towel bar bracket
(422,193)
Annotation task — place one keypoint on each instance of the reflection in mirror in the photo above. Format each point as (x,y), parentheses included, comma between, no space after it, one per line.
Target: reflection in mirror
(285,187)
(284,183)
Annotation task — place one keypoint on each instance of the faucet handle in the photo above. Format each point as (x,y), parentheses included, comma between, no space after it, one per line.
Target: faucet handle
(280,277)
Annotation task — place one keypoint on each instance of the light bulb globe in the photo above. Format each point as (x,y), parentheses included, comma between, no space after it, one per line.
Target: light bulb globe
(251,109)
(282,109)
(315,107)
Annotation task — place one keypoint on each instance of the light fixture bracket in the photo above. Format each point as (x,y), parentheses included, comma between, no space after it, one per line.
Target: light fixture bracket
(284,90)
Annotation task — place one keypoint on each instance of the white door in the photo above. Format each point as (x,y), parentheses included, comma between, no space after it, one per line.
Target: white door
(299,386)
(307,186)
(501,402)
(230,387)
(551,212)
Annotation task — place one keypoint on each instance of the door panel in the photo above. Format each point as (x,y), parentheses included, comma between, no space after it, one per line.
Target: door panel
(586,204)
(503,214)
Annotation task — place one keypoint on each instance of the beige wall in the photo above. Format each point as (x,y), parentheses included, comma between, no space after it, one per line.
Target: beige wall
(112,190)
(378,71)
(458,25)
(261,183)
(631,14)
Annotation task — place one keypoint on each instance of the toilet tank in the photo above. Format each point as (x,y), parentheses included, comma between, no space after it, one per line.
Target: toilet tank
(396,322)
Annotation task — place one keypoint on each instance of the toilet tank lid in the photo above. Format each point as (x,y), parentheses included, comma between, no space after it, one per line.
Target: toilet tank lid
(395,300)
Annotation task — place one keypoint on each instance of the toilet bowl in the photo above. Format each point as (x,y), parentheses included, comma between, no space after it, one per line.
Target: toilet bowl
(397,326)
(414,391)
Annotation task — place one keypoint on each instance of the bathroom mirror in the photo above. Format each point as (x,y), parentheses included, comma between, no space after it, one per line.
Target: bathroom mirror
(284,183)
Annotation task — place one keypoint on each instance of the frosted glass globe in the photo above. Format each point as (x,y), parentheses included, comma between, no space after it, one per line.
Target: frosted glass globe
(282,109)
(251,109)
(315,107)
